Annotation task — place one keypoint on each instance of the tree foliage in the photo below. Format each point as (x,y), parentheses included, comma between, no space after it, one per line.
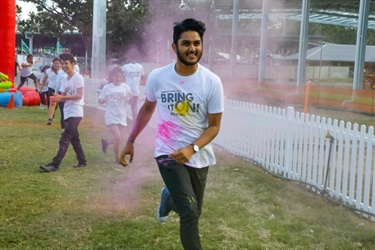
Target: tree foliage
(125,19)
(146,25)
(340,34)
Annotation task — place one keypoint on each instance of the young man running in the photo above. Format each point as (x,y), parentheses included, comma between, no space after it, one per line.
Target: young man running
(189,101)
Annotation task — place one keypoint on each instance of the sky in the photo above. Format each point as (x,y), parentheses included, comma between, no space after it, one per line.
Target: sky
(26,7)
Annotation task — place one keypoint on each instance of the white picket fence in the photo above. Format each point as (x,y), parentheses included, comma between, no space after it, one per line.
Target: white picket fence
(331,157)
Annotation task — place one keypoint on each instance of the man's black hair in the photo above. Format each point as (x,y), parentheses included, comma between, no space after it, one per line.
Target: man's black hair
(67,57)
(189,24)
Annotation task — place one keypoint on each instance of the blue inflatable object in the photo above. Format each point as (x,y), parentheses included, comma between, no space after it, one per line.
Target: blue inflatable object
(5,98)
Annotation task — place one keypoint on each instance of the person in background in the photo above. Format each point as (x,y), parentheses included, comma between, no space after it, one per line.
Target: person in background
(72,94)
(43,91)
(115,95)
(50,79)
(133,74)
(60,77)
(27,72)
(76,66)
(189,100)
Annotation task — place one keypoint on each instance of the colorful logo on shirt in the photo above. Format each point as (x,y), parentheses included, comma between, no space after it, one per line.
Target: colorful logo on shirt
(117,97)
(179,103)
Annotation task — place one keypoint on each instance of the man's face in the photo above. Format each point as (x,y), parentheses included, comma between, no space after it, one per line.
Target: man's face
(118,78)
(56,65)
(67,66)
(29,59)
(189,48)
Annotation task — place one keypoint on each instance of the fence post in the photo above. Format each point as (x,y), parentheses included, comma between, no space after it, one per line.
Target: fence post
(288,140)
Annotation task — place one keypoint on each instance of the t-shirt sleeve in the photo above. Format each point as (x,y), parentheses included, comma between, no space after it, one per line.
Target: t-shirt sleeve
(80,82)
(151,86)
(103,92)
(62,86)
(216,99)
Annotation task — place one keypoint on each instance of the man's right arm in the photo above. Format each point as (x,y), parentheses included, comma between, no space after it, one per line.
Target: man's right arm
(24,65)
(143,117)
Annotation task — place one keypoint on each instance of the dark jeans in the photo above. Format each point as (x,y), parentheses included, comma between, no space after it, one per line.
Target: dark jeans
(186,186)
(61,107)
(43,97)
(50,93)
(23,80)
(70,135)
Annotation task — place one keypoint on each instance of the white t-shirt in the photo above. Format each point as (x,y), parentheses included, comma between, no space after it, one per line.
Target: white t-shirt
(183,105)
(133,73)
(115,112)
(52,76)
(40,78)
(76,68)
(26,71)
(72,108)
(59,79)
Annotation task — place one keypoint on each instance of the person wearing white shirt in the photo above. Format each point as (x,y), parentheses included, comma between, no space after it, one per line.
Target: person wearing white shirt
(27,72)
(72,94)
(189,101)
(133,74)
(50,79)
(43,91)
(116,95)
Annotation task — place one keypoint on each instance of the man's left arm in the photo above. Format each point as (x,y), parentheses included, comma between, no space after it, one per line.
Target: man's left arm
(183,155)
(214,122)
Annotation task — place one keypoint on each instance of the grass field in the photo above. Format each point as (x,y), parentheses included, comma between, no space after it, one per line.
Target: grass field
(108,207)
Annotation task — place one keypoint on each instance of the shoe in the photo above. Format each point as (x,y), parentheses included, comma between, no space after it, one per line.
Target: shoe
(104,145)
(41,106)
(49,168)
(49,122)
(162,212)
(80,165)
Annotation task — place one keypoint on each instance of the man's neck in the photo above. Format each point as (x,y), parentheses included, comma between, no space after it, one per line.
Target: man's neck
(185,70)
(70,74)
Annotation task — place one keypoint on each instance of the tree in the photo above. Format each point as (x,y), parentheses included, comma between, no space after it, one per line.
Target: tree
(125,19)
(340,34)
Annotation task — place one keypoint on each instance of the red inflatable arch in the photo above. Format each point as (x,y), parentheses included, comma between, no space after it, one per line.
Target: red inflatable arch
(8,37)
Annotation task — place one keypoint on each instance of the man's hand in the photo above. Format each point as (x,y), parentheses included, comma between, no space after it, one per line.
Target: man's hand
(128,150)
(182,155)
(58,98)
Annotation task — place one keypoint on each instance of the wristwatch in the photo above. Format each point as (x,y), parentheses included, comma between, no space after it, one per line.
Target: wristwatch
(195,147)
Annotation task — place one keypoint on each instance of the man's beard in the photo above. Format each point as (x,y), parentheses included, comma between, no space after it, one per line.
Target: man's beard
(183,61)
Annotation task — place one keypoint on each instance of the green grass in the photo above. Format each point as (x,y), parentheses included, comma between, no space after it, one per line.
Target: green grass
(106,207)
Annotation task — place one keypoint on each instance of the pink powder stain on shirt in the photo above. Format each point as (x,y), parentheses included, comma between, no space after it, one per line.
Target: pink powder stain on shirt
(165,129)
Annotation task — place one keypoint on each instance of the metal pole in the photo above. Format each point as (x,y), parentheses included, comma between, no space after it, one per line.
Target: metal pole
(233,54)
(320,69)
(359,64)
(304,32)
(99,39)
(263,42)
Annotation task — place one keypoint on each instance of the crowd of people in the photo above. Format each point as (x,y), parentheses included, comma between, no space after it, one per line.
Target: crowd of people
(189,101)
